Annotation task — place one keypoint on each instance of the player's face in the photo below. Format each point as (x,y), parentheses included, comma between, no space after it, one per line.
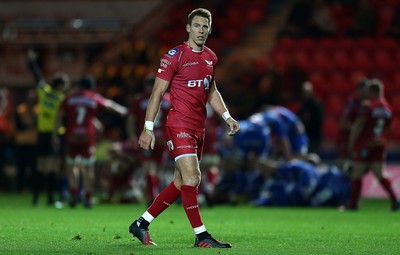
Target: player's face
(198,32)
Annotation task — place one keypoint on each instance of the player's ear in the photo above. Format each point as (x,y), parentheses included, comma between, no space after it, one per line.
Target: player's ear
(209,31)
(188,28)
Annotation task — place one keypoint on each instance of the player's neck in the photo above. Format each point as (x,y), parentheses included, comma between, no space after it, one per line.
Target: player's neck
(195,47)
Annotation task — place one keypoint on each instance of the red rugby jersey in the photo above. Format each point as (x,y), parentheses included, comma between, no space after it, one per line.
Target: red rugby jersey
(80,109)
(378,116)
(190,74)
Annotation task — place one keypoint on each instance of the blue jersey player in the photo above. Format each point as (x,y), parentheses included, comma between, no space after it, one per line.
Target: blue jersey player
(333,189)
(286,128)
(288,184)
(252,137)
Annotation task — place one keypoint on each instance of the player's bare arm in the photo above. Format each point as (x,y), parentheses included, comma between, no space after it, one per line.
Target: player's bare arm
(218,105)
(147,139)
(115,107)
(34,67)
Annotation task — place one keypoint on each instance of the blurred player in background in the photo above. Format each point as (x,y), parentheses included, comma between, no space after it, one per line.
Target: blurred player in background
(311,113)
(333,189)
(303,183)
(49,99)
(287,132)
(26,139)
(188,72)
(211,158)
(79,109)
(287,183)
(350,114)
(151,161)
(253,137)
(368,141)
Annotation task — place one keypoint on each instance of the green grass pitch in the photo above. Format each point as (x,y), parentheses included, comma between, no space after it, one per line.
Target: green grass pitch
(104,230)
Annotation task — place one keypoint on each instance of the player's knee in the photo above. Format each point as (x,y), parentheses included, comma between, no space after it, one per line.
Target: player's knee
(192,179)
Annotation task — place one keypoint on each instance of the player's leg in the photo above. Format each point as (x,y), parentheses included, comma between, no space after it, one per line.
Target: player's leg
(167,197)
(37,179)
(188,166)
(377,168)
(359,168)
(52,167)
(44,150)
(72,171)
(88,176)
(47,166)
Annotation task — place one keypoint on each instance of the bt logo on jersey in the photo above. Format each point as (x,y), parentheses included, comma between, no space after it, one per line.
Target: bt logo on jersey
(195,83)
(199,83)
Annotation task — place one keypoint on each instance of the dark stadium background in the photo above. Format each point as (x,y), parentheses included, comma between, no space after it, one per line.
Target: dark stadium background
(266,48)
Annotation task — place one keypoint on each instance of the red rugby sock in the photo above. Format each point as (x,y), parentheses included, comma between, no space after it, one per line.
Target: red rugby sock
(386,184)
(191,205)
(166,197)
(356,186)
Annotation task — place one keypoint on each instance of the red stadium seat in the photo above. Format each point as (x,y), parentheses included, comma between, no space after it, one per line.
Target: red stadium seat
(286,43)
(334,105)
(386,14)
(330,129)
(362,60)
(346,44)
(383,61)
(302,59)
(394,100)
(357,75)
(340,83)
(280,59)
(319,81)
(231,36)
(326,44)
(306,44)
(255,14)
(388,43)
(367,43)
(215,44)
(395,129)
(321,60)
(395,82)
(341,60)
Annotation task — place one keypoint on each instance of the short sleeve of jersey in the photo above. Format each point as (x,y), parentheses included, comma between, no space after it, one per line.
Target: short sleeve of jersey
(169,64)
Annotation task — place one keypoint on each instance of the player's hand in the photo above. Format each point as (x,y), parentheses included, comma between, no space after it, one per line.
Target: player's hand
(233,125)
(147,140)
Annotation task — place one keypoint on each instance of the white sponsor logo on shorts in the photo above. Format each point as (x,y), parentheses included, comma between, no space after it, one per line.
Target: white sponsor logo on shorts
(185,146)
(183,135)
